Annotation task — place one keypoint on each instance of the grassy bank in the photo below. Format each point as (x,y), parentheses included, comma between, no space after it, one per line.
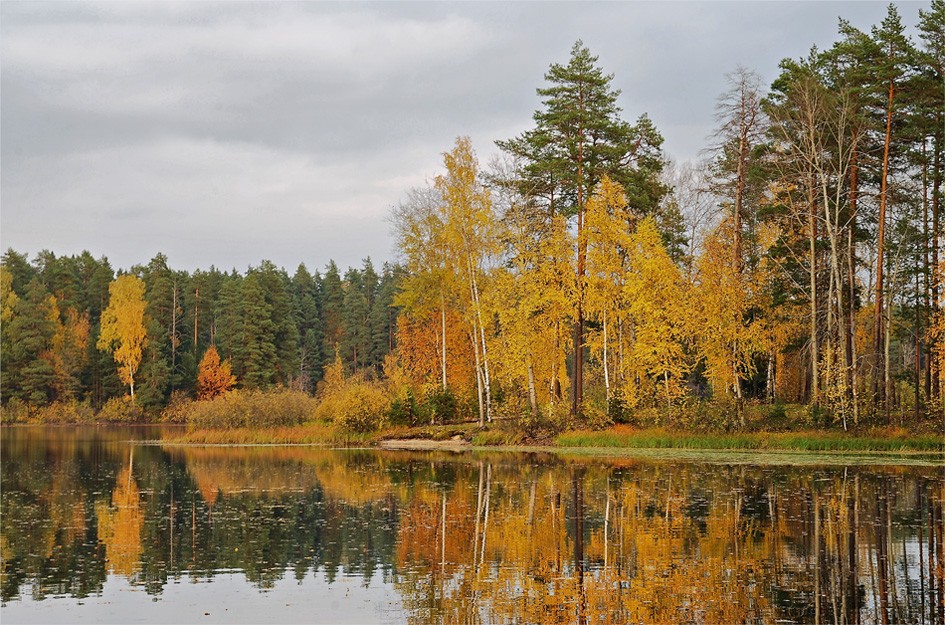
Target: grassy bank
(308,434)
(880,440)
(874,440)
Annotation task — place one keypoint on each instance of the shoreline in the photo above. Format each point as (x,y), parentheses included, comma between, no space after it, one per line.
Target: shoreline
(889,441)
(618,440)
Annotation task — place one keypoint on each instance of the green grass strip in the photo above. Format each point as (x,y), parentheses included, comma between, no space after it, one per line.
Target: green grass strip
(803,441)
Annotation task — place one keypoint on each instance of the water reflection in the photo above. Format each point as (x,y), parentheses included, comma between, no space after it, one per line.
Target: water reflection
(477,537)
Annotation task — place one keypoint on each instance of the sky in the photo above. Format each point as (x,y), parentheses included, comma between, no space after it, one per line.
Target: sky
(225,133)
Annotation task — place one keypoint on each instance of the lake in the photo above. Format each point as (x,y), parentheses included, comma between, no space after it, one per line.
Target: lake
(98,526)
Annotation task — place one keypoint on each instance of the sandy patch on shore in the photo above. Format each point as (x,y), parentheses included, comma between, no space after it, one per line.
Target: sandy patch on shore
(419,443)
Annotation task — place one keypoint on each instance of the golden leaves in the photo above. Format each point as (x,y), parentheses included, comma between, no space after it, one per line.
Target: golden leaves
(123,325)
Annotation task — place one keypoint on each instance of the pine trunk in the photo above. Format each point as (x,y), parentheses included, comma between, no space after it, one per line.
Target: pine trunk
(878,342)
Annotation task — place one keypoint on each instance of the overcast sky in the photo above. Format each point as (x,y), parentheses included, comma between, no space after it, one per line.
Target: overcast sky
(227,133)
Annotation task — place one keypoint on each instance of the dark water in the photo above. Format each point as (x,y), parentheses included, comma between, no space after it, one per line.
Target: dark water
(94,528)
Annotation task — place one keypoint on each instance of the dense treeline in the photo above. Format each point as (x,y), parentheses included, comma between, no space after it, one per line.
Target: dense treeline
(582,277)
(270,328)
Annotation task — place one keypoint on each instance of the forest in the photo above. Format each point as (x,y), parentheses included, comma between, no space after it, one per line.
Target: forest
(579,279)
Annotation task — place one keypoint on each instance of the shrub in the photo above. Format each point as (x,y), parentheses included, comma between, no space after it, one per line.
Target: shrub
(16,411)
(442,405)
(404,411)
(815,416)
(120,410)
(252,409)
(778,412)
(64,412)
(177,407)
(595,409)
(360,407)
(353,403)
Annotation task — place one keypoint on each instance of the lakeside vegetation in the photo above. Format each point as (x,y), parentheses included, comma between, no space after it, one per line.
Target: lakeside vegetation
(582,282)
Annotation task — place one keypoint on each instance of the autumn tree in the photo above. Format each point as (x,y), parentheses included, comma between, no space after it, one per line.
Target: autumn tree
(471,242)
(735,175)
(729,338)
(429,286)
(124,330)
(213,377)
(607,239)
(535,295)
(658,307)
(579,137)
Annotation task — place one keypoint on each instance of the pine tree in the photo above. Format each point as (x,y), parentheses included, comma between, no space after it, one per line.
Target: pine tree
(228,313)
(276,287)
(255,361)
(21,272)
(383,317)
(355,344)
(894,58)
(332,298)
(578,138)
(27,370)
(929,116)
(309,323)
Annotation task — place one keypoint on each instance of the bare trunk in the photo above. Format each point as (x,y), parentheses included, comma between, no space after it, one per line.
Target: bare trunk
(577,392)
(620,348)
(887,380)
(880,243)
(918,349)
(814,340)
(851,344)
(936,200)
(606,372)
(851,279)
(196,309)
(474,288)
(926,276)
(443,340)
(482,407)
(832,219)
(533,400)
(739,196)
(769,378)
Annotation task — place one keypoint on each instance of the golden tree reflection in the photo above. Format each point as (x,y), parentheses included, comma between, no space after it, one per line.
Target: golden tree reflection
(482,538)
(120,524)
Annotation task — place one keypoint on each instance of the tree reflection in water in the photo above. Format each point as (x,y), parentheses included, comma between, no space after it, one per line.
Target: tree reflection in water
(481,537)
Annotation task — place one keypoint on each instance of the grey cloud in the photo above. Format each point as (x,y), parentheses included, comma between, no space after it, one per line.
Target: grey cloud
(224,133)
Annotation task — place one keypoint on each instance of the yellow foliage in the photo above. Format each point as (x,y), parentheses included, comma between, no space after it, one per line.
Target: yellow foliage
(120,525)
(658,307)
(123,326)
(352,403)
(728,340)
(8,297)
(533,300)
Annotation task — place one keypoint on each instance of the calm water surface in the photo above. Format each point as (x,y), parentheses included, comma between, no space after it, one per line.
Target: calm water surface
(96,528)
